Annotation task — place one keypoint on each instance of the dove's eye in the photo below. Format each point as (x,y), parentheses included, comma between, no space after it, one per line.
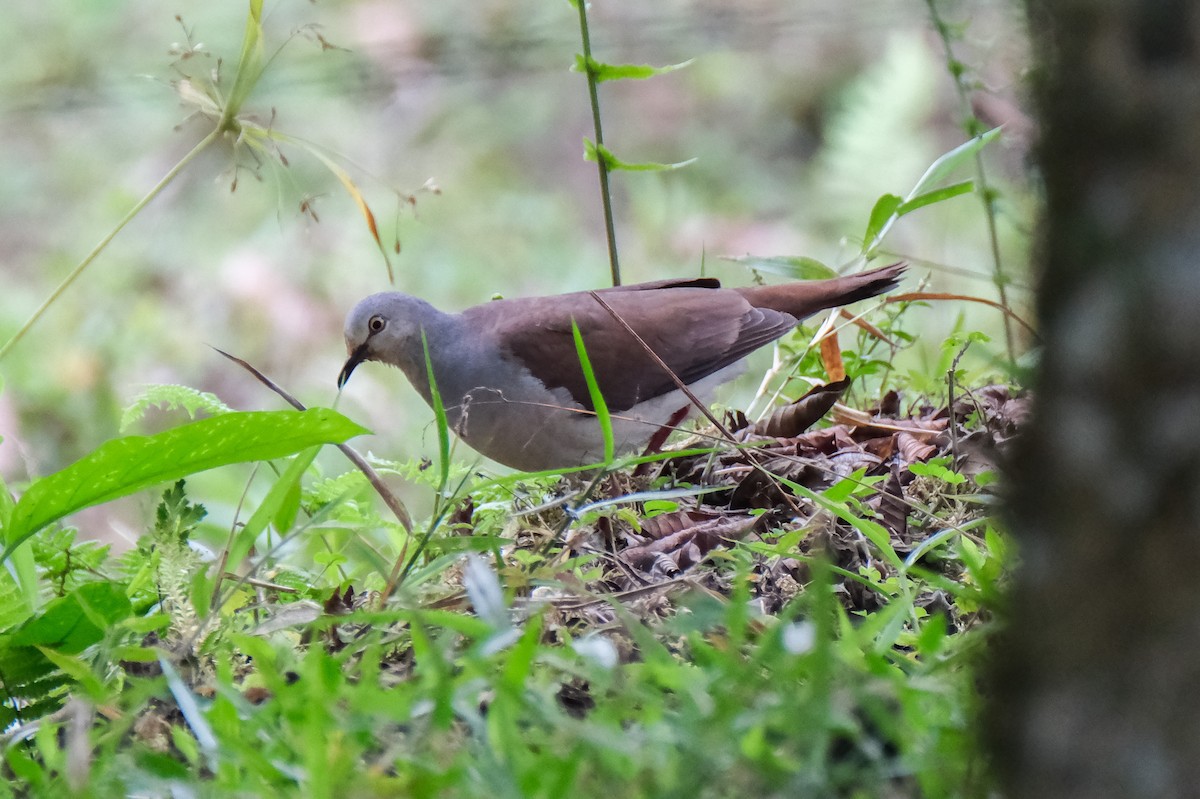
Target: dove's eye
(376,324)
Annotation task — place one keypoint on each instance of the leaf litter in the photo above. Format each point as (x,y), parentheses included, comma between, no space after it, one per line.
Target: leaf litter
(750,498)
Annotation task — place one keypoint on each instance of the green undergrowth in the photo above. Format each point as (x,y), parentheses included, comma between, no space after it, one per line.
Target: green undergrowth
(516,654)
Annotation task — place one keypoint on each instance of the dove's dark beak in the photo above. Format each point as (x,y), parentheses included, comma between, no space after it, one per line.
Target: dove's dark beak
(358,356)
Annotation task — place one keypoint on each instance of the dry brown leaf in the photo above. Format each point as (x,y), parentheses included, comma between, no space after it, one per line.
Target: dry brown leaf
(889,405)
(861,419)
(913,450)
(892,508)
(831,357)
(689,545)
(828,441)
(882,447)
(796,417)
(665,524)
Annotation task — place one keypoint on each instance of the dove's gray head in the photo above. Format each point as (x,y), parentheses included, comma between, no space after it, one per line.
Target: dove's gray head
(386,327)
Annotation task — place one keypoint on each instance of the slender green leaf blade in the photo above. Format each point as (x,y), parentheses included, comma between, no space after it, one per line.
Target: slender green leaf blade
(125,465)
(598,152)
(949,161)
(74,667)
(935,196)
(439,413)
(250,61)
(270,507)
(598,403)
(602,72)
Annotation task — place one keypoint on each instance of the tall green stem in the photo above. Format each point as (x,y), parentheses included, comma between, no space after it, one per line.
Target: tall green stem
(605,195)
(985,192)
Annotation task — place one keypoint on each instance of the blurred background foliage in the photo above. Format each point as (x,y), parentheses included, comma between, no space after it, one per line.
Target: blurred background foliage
(800,113)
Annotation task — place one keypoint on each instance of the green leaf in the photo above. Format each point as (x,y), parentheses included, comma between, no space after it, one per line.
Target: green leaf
(74,622)
(518,669)
(74,667)
(125,465)
(937,470)
(439,414)
(250,63)
(6,504)
(656,507)
(995,543)
(25,767)
(889,207)
(272,504)
(932,637)
(176,518)
(21,566)
(16,605)
(936,196)
(796,267)
(881,214)
(201,588)
(842,489)
(598,403)
(163,766)
(598,152)
(289,509)
(602,72)
(957,340)
(952,160)
(879,630)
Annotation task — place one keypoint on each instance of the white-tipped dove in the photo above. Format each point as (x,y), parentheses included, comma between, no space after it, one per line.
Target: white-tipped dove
(511,381)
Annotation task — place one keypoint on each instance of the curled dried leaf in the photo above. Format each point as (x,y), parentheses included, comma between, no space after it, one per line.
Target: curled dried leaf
(831,358)
(689,545)
(793,419)
(913,450)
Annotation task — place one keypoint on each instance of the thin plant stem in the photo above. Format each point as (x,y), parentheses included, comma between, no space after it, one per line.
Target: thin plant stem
(986,195)
(605,195)
(91,256)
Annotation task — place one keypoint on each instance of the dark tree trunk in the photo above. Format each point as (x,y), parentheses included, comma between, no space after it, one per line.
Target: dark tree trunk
(1097,689)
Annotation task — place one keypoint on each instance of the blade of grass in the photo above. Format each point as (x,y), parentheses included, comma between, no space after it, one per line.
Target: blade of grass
(249,67)
(266,510)
(439,414)
(598,403)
